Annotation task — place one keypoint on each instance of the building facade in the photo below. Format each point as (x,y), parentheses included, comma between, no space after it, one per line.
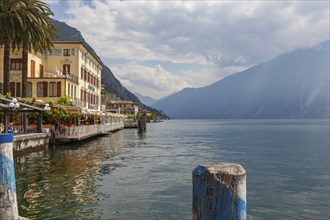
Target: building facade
(69,70)
(124,107)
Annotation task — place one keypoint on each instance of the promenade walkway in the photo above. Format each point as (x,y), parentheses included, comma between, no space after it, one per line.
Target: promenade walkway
(77,133)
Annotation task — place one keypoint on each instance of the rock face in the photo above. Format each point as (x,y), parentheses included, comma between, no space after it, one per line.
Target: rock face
(110,82)
(293,85)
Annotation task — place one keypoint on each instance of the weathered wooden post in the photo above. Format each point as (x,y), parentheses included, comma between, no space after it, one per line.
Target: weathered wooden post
(142,123)
(219,192)
(8,201)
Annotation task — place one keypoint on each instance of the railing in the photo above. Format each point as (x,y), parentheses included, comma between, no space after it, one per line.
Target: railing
(81,103)
(61,75)
(78,102)
(79,132)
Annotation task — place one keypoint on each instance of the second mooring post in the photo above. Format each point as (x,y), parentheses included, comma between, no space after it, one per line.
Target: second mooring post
(219,192)
(8,201)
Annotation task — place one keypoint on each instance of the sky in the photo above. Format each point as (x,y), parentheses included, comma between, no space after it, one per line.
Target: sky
(157,48)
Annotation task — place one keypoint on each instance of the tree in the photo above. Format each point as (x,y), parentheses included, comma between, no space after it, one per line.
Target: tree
(39,35)
(24,23)
(11,25)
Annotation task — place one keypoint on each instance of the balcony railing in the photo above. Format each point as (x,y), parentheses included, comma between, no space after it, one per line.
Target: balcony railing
(61,75)
(80,103)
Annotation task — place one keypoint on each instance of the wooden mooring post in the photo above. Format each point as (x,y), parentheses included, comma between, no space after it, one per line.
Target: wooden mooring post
(219,192)
(142,123)
(8,200)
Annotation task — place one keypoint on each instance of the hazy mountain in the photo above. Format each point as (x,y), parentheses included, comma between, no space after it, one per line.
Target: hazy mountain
(293,85)
(110,82)
(147,100)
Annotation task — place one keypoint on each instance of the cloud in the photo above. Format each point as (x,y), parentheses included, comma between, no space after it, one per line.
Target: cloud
(154,81)
(158,82)
(227,36)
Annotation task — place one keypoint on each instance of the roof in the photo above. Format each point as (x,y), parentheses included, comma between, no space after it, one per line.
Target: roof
(84,45)
(21,104)
(123,102)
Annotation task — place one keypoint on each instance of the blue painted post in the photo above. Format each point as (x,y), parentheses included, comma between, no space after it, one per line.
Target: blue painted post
(219,192)
(8,200)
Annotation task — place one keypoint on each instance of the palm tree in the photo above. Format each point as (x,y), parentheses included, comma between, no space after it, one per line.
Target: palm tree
(39,35)
(11,26)
(24,24)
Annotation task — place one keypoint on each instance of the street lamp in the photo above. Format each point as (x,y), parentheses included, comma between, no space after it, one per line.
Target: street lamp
(13,105)
(85,112)
(47,107)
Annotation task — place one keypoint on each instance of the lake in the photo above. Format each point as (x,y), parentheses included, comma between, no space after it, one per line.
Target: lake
(128,175)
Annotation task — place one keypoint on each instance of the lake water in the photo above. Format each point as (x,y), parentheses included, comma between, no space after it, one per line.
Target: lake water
(128,175)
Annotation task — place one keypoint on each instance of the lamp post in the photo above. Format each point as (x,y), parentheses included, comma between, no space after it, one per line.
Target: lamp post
(12,106)
(47,107)
(86,113)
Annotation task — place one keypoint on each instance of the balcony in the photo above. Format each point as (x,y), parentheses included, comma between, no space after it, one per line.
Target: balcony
(61,75)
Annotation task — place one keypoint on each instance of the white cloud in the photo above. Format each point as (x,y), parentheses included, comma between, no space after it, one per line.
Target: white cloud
(226,35)
(153,81)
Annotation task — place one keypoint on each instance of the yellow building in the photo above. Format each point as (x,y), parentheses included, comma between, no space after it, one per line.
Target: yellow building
(70,69)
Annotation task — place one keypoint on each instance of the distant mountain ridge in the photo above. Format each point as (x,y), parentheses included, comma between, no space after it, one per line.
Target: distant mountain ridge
(111,83)
(293,85)
(147,100)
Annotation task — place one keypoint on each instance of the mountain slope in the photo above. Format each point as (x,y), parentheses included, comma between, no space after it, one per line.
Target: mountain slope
(294,85)
(147,100)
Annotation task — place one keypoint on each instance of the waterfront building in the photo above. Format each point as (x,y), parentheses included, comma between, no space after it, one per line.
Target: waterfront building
(69,70)
(124,107)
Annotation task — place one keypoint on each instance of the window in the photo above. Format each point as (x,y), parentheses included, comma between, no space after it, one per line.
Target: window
(15,64)
(66,52)
(42,88)
(66,69)
(15,89)
(81,73)
(68,88)
(12,88)
(18,89)
(33,68)
(73,52)
(52,89)
(41,70)
(59,89)
(29,89)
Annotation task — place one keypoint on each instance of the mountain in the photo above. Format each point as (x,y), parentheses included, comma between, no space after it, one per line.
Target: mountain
(110,82)
(293,85)
(147,100)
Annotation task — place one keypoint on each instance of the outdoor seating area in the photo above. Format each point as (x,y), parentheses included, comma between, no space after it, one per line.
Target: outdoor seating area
(14,117)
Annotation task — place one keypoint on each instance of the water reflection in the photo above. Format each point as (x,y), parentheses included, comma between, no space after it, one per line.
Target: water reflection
(62,182)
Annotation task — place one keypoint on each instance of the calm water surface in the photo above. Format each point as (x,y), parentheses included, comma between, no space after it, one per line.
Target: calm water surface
(128,175)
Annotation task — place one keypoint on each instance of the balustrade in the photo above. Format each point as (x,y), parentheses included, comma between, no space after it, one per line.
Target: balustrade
(78,132)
